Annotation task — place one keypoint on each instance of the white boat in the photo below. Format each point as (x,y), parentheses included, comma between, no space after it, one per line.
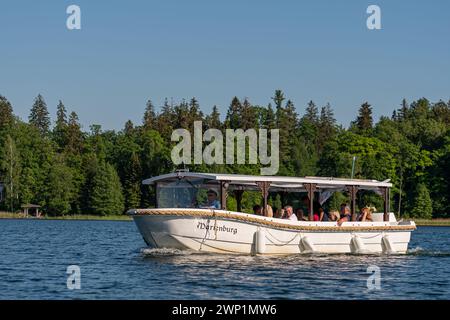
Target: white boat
(178,222)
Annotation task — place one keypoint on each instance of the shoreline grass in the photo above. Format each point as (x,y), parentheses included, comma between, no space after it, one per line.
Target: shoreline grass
(8,215)
(432,222)
(122,217)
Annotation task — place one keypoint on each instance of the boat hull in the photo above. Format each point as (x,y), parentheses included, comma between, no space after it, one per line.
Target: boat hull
(226,232)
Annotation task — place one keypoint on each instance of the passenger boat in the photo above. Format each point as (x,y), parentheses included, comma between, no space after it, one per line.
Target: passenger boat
(179,222)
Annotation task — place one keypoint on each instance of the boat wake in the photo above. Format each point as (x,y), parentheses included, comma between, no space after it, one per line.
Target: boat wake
(419,251)
(163,252)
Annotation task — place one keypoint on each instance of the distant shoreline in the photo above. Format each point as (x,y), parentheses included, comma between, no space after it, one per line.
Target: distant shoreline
(122,217)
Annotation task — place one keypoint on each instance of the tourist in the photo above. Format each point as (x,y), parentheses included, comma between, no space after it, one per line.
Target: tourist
(334,215)
(345,214)
(323,216)
(365,215)
(279,213)
(257,209)
(290,213)
(300,215)
(316,207)
(212,202)
(269,211)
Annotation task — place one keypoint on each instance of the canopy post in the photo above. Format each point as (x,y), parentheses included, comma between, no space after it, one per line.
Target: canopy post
(386,196)
(238,195)
(223,194)
(264,186)
(311,188)
(283,196)
(353,190)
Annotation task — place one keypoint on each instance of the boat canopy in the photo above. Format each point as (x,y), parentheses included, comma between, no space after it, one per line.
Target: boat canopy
(237,183)
(276,182)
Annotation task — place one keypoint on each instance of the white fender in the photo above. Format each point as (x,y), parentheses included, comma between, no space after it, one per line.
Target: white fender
(358,245)
(386,244)
(307,244)
(260,241)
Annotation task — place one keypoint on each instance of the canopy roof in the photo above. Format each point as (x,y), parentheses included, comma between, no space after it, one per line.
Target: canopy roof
(280,182)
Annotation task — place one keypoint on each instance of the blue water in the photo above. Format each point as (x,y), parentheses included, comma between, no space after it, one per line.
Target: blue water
(114,264)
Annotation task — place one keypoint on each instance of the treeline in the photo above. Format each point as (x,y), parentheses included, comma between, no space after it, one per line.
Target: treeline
(69,171)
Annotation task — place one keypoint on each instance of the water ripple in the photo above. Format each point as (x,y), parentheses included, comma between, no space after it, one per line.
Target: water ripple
(114,265)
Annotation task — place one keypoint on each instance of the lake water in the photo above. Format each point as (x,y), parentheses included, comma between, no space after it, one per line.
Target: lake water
(114,264)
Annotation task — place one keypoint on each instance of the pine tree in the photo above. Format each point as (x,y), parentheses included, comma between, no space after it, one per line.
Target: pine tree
(106,195)
(278,99)
(270,120)
(59,190)
(312,113)
(233,118)
(129,128)
(149,116)
(132,182)
(403,112)
(213,120)
(10,169)
(39,116)
(60,130)
(74,135)
(327,125)
(287,123)
(364,121)
(195,114)
(422,207)
(182,116)
(6,113)
(248,116)
(165,120)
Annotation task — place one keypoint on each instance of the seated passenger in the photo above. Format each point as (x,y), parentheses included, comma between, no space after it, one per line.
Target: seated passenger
(345,214)
(257,210)
(212,202)
(365,215)
(269,211)
(290,213)
(323,216)
(279,213)
(300,215)
(334,215)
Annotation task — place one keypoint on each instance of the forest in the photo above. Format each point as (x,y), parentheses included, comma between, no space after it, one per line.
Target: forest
(67,170)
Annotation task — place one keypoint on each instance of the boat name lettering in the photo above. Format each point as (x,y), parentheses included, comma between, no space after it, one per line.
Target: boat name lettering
(223,228)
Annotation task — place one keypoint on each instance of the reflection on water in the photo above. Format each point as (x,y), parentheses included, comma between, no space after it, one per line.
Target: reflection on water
(114,265)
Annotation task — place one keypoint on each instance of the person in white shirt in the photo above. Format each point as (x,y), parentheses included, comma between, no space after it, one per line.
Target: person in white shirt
(290,213)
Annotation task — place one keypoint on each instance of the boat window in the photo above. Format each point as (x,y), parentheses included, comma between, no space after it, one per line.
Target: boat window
(184,193)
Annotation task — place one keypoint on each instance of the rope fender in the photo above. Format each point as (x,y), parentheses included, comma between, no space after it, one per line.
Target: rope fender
(226,215)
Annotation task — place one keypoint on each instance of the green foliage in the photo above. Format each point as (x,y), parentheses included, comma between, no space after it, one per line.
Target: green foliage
(422,207)
(106,196)
(59,190)
(6,113)
(39,116)
(10,167)
(69,171)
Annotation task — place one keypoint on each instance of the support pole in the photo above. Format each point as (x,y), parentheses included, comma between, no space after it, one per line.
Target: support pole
(264,186)
(238,195)
(352,190)
(223,194)
(386,196)
(311,188)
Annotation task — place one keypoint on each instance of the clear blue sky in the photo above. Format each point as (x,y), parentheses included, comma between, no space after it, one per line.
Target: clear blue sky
(129,51)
